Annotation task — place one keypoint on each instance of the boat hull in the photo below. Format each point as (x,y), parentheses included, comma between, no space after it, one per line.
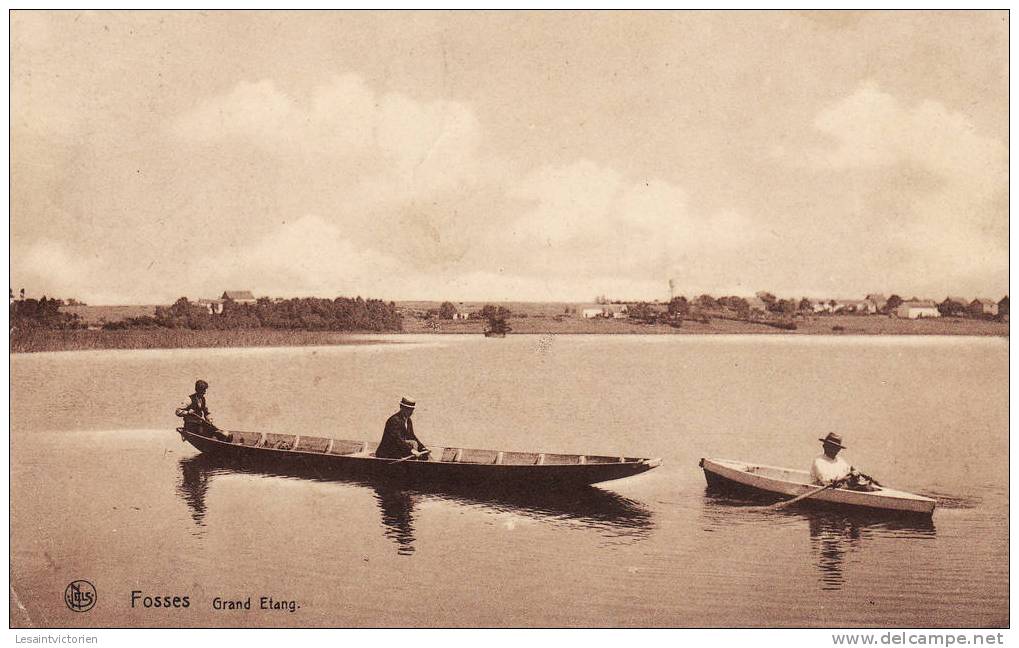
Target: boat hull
(782,483)
(364,465)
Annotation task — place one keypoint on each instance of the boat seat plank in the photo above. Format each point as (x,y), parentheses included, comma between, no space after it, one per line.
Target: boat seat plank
(561,459)
(520,458)
(313,444)
(342,447)
(600,459)
(279,441)
(249,439)
(478,456)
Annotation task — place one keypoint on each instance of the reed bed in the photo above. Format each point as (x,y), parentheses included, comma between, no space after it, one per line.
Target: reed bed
(38,340)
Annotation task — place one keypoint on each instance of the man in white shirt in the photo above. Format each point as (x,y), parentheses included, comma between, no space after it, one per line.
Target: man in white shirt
(829,467)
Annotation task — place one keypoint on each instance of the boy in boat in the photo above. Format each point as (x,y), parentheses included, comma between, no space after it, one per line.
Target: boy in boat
(829,468)
(198,408)
(398,440)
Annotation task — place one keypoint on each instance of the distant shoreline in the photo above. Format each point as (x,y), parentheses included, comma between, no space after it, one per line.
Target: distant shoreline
(810,325)
(41,340)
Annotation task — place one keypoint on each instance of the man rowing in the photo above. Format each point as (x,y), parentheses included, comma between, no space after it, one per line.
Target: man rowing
(830,469)
(398,439)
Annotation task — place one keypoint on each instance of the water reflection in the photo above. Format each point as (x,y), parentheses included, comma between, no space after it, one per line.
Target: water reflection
(193,487)
(834,534)
(613,516)
(831,539)
(397,507)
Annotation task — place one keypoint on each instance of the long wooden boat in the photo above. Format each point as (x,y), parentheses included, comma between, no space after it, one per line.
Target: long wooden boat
(769,480)
(456,465)
(593,507)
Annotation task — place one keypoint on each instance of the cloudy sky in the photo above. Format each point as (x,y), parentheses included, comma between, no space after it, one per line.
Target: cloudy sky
(523,156)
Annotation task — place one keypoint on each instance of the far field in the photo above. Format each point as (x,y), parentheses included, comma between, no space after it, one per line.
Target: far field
(812,325)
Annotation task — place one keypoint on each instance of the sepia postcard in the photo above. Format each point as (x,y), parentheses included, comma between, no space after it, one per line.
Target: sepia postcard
(510,319)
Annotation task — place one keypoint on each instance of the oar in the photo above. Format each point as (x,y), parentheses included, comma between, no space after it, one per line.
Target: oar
(205,421)
(412,456)
(799,498)
(805,495)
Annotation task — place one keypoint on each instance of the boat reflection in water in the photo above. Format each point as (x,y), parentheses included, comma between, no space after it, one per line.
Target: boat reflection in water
(611,515)
(835,533)
(194,486)
(397,507)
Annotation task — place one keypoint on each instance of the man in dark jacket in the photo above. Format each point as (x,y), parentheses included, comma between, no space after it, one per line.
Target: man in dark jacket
(398,440)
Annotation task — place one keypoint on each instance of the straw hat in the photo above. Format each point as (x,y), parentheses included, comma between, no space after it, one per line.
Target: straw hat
(833,438)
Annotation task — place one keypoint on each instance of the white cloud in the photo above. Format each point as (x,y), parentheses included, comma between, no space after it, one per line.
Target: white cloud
(428,144)
(309,256)
(586,218)
(945,183)
(49,267)
(872,128)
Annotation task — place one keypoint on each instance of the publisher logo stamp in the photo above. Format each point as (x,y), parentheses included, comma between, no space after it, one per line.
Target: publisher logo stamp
(80,596)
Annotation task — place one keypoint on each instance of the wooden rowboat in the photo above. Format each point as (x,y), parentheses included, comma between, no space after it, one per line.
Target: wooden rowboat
(753,479)
(451,465)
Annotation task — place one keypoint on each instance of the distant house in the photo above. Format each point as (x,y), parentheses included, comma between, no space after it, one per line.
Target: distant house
(954,306)
(239,296)
(461,316)
(615,311)
(917,309)
(758,304)
(214,306)
(879,300)
(609,311)
(860,306)
(821,306)
(980,307)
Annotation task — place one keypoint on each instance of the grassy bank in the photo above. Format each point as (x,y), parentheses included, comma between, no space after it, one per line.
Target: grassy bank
(28,341)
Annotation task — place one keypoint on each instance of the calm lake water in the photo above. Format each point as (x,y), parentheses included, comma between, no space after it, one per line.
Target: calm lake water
(103,489)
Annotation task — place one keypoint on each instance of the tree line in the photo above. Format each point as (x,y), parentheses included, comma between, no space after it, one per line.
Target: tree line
(41,313)
(309,314)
